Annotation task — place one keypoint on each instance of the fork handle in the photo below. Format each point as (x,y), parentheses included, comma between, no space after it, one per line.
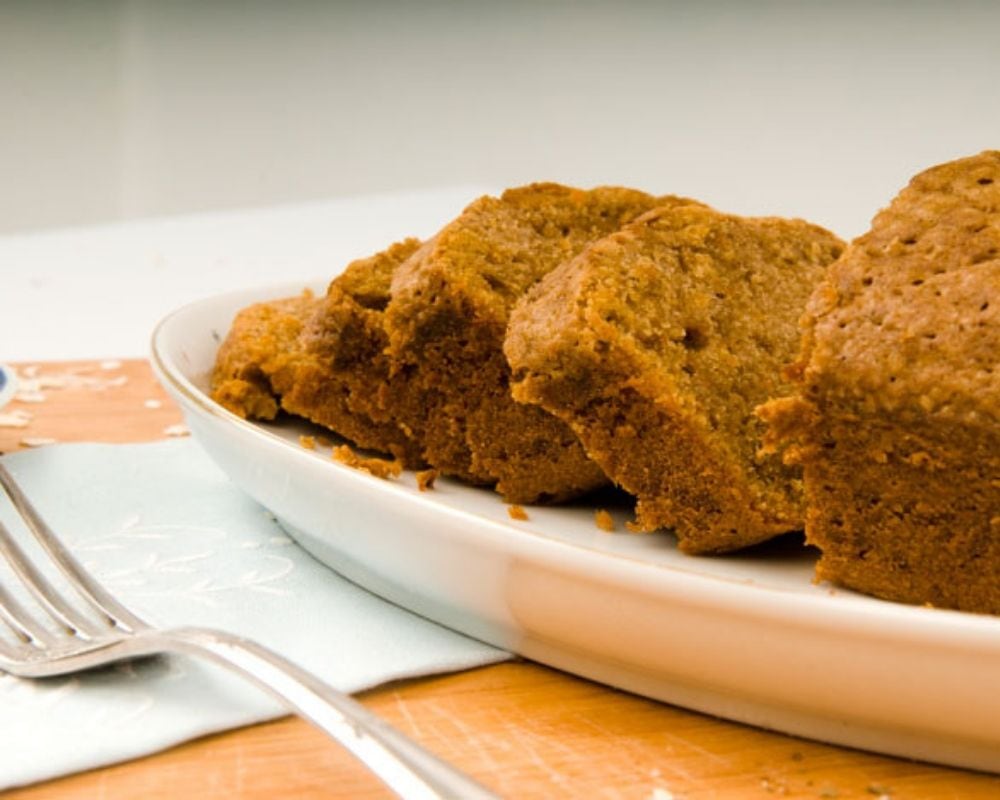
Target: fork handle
(399,762)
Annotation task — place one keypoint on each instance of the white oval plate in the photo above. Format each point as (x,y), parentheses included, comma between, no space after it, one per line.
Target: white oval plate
(745,637)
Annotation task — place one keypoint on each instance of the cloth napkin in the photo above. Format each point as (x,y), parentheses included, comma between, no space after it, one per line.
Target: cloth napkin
(167,533)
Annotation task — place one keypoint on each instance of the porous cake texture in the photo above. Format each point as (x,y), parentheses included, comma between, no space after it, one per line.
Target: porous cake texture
(656,344)
(321,358)
(262,342)
(342,378)
(446,320)
(897,416)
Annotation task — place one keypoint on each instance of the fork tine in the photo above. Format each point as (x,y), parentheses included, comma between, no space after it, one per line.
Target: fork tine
(45,593)
(21,621)
(88,588)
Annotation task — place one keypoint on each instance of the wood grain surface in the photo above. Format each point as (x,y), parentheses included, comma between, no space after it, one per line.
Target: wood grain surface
(524,730)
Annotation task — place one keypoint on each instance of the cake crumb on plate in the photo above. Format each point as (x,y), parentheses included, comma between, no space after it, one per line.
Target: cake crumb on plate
(426,478)
(384,468)
(604,520)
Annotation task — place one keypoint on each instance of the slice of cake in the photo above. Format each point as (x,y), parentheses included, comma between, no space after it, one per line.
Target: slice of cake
(320,358)
(341,377)
(261,343)
(897,420)
(656,344)
(446,321)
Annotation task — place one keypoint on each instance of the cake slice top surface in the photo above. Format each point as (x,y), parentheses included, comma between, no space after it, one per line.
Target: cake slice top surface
(908,321)
(485,259)
(693,308)
(366,281)
(345,330)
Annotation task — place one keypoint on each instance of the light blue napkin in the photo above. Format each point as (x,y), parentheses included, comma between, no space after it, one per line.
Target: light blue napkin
(167,533)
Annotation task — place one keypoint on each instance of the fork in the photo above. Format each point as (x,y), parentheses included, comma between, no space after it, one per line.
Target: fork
(99,630)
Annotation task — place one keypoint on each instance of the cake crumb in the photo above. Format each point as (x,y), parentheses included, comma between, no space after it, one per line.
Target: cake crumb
(113,383)
(53,381)
(773,786)
(426,478)
(379,467)
(308,442)
(111,364)
(604,520)
(517,512)
(37,441)
(16,419)
(176,430)
(152,403)
(30,397)
(34,384)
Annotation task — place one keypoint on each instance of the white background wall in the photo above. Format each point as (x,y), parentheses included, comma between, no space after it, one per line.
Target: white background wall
(115,109)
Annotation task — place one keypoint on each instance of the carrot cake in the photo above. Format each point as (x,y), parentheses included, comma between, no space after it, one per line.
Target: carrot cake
(446,320)
(897,417)
(656,344)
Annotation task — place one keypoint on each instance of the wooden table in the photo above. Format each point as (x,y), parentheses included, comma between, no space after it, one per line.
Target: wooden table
(521,729)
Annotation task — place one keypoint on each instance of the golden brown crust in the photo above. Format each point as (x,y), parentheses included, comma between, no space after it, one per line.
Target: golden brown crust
(905,296)
(897,422)
(655,345)
(446,322)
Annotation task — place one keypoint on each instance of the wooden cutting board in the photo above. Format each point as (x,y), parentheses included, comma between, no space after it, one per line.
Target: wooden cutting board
(523,730)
